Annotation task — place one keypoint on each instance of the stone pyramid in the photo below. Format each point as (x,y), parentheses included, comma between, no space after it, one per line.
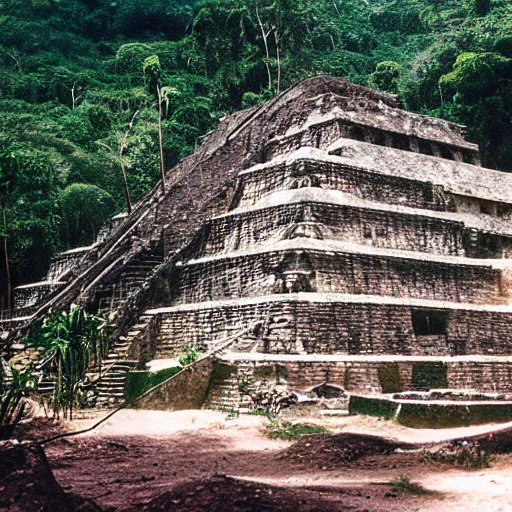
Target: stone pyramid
(327,237)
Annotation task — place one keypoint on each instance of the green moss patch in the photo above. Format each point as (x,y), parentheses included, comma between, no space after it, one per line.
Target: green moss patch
(290,431)
(431,415)
(457,415)
(138,382)
(372,406)
(389,378)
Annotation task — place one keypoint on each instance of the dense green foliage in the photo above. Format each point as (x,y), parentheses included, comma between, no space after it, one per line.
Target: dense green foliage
(74,72)
(12,394)
(71,341)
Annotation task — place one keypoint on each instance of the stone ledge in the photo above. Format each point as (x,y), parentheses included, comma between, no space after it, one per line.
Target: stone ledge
(318,195)
(458,177)
(353,248)
(330,298)
(430,414)
(320,358)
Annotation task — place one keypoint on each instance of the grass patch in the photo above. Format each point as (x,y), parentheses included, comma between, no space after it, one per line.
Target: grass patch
(257,412)
(290,431)
(403,485)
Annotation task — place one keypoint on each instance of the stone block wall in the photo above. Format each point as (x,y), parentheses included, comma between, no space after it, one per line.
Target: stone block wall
(206,327)
(487,245)
(186,390)
(63,262)
(388,329)
(328,272)
(25,296)
(345,223)
(368,377)
(322,135)
(294,327)
(333,176)
(488,377)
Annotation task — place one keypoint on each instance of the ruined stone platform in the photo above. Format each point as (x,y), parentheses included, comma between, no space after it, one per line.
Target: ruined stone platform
(333,238)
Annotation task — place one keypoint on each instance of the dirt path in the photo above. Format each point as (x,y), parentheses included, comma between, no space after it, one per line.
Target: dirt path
(149,460)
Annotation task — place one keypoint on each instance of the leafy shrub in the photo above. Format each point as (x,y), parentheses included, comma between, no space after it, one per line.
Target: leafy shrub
(75,339)
(474,74)
(190,356)
(11,411)
(386,75)
(12,404)
(85,209)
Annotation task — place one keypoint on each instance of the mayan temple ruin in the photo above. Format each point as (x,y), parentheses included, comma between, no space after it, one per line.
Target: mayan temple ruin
(327,238)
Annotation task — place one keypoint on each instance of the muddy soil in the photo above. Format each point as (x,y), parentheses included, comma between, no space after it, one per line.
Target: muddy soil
(27,483)
(200,461)
(220,470)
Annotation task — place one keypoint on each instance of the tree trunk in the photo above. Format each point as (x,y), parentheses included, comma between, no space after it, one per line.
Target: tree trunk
(126,189)
(267,53)
(7,266)
(161,139)
(278,57)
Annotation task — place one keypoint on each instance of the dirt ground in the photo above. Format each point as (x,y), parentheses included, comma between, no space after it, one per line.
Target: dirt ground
(203,461)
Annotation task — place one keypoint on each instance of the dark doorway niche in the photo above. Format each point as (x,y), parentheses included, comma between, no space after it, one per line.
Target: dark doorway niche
(430,322)
(389,379)
(429,376)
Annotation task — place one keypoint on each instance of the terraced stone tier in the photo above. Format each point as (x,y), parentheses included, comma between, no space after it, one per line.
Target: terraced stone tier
(30,294)
(313,323)
(333,215)
(65,261)
(471,183)
(309,265)
(358,374)
(332,174)
(325,130)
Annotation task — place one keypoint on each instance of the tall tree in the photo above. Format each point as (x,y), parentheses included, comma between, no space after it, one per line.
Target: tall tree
(153,74)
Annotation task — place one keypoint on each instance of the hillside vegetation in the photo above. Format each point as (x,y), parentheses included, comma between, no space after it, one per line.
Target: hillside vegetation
(80,81)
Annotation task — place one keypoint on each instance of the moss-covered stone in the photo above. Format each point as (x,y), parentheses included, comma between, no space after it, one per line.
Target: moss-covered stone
(138,382)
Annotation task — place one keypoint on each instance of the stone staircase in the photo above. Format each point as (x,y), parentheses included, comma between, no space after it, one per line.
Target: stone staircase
(109,387)
(223,391)
(46,385)
(112,295)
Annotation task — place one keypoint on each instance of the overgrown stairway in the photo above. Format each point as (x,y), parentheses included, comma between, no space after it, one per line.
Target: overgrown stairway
(109,388)
(111,296)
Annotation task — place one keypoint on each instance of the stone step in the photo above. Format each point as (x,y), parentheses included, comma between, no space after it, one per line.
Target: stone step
(110,391)
(45,389)
(138,327)
(117,377)
(114,377)
(108,385)
(119,364)
(334,412)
